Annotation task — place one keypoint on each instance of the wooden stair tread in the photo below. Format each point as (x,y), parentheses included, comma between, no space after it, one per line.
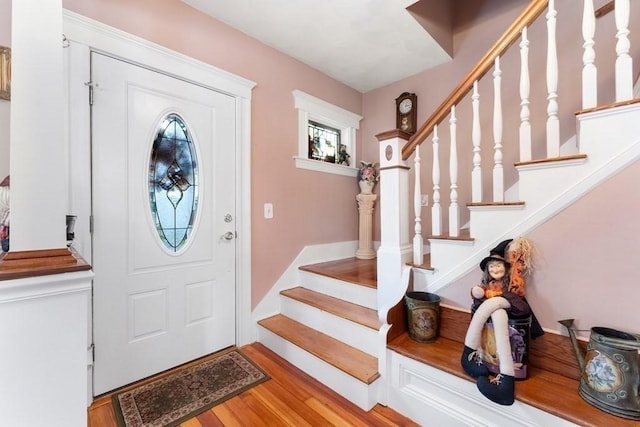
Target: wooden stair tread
(353,312)
(349,360)
(495,204)
(464,234)
(545,390)
(567,158)
(353,270)
(426,263)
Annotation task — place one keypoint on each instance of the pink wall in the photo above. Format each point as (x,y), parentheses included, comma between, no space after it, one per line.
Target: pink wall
(309,207)
(5,40)
(585,265)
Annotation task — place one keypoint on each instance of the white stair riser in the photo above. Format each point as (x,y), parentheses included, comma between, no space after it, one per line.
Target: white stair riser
(351,333)
(446,253)
(489,222)
(539,186)
(361,394)
(350,292)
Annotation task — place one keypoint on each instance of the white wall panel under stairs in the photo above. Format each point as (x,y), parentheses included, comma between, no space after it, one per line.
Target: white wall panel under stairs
(433,397)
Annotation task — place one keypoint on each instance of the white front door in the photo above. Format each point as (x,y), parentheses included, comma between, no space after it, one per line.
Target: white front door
(164,248)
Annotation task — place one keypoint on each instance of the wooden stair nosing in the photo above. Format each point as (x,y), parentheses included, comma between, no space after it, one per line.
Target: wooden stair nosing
(559,159)
(353,312)
(465,238)
(349,360)
(495,204)
(426,263)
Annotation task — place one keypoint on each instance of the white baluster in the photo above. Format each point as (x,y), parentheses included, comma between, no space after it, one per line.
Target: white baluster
(436,209)
(589,70)
(418,255)
(476,174)
(454,211)
(498,173)
(553,125)
(624,64)
(525,88)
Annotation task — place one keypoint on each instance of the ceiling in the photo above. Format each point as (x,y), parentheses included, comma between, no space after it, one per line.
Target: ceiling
(365,44)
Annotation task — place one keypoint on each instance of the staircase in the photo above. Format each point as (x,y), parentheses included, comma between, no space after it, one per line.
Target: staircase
(328,327)
(321,327)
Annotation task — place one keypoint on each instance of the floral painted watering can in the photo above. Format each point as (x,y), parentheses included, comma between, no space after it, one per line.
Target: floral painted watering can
(610,370)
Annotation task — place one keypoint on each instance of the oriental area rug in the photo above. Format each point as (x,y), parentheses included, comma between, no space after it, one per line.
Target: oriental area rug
(183,394)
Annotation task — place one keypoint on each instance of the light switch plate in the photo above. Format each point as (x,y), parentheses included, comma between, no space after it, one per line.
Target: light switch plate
(268,210)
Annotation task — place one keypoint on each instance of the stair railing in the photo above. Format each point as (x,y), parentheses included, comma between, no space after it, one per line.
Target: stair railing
(394,167)
(517,31)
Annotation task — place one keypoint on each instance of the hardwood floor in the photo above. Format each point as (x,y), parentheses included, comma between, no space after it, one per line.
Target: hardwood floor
(289,398)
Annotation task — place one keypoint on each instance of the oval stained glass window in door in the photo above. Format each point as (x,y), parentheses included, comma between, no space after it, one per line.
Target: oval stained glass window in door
(173,183)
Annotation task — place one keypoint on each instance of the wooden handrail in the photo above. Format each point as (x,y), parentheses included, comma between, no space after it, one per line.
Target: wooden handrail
(605,9)
(529,15)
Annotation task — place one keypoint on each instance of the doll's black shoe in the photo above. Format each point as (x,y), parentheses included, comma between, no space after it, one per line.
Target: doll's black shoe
(499,389)
(472,363)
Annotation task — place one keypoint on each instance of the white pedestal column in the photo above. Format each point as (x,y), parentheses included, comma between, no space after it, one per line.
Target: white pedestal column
(366,203)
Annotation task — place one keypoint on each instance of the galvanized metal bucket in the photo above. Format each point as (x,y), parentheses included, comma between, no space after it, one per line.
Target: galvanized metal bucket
(423,315)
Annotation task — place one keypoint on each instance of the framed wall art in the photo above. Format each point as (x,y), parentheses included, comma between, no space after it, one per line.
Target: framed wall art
(5,73)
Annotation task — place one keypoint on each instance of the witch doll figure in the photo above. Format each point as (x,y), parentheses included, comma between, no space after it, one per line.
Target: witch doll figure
(498,300)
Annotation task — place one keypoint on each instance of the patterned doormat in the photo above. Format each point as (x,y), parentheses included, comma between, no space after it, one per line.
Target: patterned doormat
(172,399)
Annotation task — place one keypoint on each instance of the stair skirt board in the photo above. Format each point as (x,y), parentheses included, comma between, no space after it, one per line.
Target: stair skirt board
(361,337)
(363,395)
(356,294)
(432,397)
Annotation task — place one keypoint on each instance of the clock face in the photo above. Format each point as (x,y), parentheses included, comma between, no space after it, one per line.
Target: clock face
(405,106)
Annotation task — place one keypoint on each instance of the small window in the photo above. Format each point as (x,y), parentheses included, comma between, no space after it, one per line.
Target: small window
(324,144)
(327,136)
(173,183)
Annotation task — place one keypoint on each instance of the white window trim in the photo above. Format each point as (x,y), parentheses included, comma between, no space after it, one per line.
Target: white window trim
(317,110)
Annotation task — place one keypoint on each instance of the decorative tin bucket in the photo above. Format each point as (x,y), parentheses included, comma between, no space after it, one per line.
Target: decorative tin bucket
(519,333)
(611,377)
(423,315)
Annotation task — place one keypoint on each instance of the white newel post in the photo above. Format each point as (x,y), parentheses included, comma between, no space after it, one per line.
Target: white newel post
(395,245)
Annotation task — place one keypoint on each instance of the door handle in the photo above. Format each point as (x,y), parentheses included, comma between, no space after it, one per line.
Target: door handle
(229,235)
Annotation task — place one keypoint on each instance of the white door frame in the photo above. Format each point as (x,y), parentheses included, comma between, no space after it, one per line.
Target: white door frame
(84,35)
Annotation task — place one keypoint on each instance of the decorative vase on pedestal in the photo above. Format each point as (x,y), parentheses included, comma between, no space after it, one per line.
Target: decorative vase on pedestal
(366,187)
(367,178)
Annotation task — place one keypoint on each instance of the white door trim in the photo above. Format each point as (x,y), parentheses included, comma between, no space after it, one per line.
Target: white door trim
(84,35)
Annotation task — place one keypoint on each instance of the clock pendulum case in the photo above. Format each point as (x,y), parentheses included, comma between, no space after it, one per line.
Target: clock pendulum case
(406,112)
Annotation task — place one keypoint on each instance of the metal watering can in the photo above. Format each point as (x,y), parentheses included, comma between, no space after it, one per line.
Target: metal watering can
(610,370)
